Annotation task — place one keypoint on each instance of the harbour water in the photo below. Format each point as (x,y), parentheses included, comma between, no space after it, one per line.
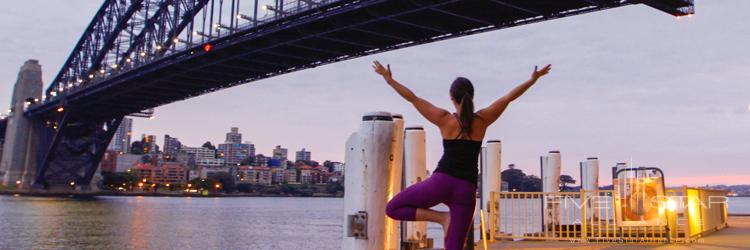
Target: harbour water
(184,223)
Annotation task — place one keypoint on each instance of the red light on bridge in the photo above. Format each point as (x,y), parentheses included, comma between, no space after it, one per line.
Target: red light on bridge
(60,109)
(207,47)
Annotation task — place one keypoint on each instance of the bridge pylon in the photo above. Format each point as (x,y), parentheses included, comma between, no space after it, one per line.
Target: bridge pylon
(58,151)
(18,166)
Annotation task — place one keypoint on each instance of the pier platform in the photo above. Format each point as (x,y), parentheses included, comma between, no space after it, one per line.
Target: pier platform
(736,236)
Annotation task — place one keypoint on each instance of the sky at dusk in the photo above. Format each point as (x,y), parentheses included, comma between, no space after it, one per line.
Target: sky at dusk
(630,84)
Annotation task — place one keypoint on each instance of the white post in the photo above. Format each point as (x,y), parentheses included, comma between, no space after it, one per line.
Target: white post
(551,172)
(396,171)
(590,174)
(551,165)
(415,166)
(354,191)
(368,162)
(491,169)
(590,182)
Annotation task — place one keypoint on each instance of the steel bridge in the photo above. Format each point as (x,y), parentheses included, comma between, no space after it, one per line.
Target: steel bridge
(140,54)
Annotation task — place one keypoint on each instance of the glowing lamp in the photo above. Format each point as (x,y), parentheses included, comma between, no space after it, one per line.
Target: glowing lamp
(207,47)
(671,205)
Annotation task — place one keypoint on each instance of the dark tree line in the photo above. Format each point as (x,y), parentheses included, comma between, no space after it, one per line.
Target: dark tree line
(520,182)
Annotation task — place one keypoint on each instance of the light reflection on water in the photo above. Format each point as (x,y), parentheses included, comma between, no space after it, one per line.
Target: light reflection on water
(170,223)
(185,223)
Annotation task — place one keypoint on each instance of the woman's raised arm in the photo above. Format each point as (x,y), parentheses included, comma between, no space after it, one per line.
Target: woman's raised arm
(430,112)
(492,112)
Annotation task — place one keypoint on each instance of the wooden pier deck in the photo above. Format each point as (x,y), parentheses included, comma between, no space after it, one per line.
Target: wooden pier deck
(736,236)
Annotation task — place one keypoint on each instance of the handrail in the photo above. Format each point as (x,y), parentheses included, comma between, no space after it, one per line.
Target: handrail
(591,216)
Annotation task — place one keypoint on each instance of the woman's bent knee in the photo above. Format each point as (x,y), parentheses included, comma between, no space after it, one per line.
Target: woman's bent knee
(395,212)
(390,210)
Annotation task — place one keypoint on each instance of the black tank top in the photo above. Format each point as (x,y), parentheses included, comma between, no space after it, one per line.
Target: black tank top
(460,157)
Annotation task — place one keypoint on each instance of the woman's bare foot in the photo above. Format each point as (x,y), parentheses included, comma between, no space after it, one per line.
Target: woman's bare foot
(445,221)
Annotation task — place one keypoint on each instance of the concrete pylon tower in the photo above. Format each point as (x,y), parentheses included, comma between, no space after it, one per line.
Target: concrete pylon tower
(18,164)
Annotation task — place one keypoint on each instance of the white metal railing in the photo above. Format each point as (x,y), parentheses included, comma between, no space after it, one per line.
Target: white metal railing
(683,215)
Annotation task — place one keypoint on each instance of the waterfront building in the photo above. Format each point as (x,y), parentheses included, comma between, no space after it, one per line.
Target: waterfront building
(254,175)
(338,167)
(122,138)
(165,173)
(306,174)
(209,162)
(195,173)
(290,176)
(234,136)
(212,172)
(170,172)
(126,161)
(172,147)
(234,153)
(336,177)
(277,175)
(302,155)
(280,153)
(200,152)
(185,158)
(260,160)
(313,175)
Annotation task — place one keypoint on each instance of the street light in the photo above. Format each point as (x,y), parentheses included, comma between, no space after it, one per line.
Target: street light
(245,17)
(219,26)
(271,8)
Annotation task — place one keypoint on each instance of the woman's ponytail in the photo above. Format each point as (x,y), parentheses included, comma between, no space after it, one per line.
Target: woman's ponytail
(463,92)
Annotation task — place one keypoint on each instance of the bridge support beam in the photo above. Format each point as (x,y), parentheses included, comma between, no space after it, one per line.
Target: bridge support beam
(18,164)
(73,150)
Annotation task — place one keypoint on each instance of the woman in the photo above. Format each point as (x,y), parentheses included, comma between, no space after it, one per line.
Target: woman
(455,179)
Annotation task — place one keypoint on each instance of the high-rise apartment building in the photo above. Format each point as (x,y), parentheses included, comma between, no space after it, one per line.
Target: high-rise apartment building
(302,155)
(172,146)
(280,153)
(234,136)
(234,153)
(149,144)
(122,137)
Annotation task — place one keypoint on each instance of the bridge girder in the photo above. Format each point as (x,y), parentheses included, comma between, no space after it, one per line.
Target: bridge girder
(297,36)
(76,145)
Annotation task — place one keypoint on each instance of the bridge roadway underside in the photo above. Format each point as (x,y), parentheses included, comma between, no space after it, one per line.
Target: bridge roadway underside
(335,32)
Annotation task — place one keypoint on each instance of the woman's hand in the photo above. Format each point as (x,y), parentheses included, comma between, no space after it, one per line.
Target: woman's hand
(539,73)
(383,71)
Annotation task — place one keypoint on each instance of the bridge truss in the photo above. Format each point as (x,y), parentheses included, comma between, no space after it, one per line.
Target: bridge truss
(140,54)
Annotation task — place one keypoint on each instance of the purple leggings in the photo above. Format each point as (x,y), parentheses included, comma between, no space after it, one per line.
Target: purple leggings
(458,194)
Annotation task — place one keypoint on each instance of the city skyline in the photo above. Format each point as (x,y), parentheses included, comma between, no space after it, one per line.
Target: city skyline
(603,98)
